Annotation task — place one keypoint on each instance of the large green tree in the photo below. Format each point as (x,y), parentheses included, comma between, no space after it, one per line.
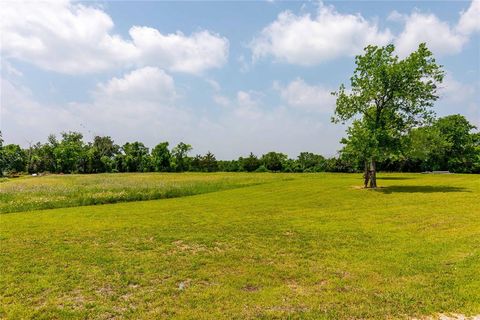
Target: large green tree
(388,96)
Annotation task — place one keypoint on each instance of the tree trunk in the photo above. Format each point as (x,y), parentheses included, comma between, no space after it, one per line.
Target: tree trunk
(373,174)
(366,175)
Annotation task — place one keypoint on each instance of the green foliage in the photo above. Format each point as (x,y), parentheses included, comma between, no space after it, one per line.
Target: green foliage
(69,153)
(388,97)
(310,162)
(180,156)
(274,161)
(136,157)
(460,148)
(262,168)
(249,164)
(101,154)
(14,158)
(161,157)
(3,162)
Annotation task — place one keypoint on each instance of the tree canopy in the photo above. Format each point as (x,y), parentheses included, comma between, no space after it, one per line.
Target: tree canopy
(388,96)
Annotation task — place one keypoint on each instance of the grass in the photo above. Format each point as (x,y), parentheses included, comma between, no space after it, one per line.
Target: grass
(60,191)
(299,246)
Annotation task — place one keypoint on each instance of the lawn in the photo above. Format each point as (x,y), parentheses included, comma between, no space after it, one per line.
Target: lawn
(248,246)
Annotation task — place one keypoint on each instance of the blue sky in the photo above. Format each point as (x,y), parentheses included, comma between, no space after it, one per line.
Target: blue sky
(226,77)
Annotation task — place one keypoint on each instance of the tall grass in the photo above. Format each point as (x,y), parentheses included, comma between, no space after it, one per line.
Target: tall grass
(58,191)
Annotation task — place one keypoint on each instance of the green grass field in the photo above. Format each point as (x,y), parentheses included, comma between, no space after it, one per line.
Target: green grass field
(239,246)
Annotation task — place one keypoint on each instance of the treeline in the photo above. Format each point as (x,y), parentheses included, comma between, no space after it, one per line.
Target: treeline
(447,144)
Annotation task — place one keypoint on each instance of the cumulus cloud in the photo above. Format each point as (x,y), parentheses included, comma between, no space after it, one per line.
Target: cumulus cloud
(460,97)
(177,52)
(74,38)
(307,40)
(148,83)
(441,37)
(311,98)
(470,19)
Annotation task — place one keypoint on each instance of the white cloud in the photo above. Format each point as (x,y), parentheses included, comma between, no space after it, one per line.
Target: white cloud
(311,98)
(470,19)
(440,37)
(307,40)
(74,38)
(148,83)
(202,50)
(458,97)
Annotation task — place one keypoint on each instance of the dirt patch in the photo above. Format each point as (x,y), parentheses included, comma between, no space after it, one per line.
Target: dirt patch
(250,288)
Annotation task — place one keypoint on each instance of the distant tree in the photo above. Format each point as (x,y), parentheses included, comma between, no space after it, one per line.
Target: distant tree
(208,162)
(249,164)
(273,161)
(69,153)
(195,163)
(2,158)
(476,152)
(428,146)
(308,161)
(136,157)
(161,157)
(180,155)
(229,165)
(290,165)
(15,158)
(460,143)
(101,154)
(388,97)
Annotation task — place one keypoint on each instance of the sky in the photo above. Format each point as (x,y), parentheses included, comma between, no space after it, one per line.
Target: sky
(230,77)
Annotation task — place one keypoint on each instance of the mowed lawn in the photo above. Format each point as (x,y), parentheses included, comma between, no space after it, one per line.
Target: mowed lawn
(272,246)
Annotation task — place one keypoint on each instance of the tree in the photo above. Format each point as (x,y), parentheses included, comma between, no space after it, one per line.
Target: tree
(388,97)
(136,157)
(15,158)
(208,162)
(2,158)
(180,153)
(70,155)
(161,157)
(273,161)
(249,164)
(101,154)
(426,145)
(460,151)
(309,162)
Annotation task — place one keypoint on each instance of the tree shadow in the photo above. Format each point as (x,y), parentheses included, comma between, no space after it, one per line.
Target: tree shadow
(394,178)
(420,189)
